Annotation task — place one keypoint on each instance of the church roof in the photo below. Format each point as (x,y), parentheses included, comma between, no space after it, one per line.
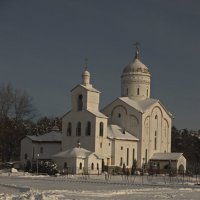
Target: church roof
(166,156)
(142,105)
(75,152)
(92,89)
(116,132)
(52,136)
(97,113)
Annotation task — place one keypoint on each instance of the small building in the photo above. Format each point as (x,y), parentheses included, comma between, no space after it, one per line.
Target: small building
(78,161)
(40,147)
(173,161)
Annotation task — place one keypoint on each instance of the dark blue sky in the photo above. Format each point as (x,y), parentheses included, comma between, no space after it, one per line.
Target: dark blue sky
(43,44)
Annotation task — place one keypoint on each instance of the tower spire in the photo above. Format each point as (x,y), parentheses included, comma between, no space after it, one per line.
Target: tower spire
(136,44)
(85,64)
(86,74)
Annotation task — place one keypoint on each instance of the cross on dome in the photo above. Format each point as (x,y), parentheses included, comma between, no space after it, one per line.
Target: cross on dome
(85,64)
(136,44)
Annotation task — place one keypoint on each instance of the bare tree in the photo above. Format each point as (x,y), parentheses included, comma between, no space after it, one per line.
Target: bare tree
(16,110)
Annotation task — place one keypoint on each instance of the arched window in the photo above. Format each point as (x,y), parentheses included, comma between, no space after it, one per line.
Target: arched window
(65,165)
(133,154)
(25,156)
(80,102)
(138,91)
(69,129)
(88,129)
(156,117)
(92,166)
(41,150)
(78,129)
(155,141)
(119,115)
(101,129)
(127,157)
(97,166)
(146,156)
(80,165)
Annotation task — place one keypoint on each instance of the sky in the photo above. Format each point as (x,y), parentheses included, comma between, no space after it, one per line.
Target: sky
(43,44)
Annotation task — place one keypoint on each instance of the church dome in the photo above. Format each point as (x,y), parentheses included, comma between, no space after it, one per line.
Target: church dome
(135,66)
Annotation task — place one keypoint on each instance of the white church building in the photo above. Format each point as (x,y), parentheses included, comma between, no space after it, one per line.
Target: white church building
(132,127)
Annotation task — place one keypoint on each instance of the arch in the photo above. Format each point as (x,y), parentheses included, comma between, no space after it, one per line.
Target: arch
(78,129)
(137,120)
(181,168)
(118,107)
(69,129)
(166,122)
(88,129)
(158,108)
(101,127)
(80,102)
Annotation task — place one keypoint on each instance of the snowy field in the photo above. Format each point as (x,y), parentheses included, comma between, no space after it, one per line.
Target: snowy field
(20,186)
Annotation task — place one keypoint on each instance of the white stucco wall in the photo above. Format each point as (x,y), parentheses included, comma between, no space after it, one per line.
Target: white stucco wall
(120,152)
(32,149)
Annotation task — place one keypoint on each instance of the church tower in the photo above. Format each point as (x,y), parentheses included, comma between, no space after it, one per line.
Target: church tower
(135,79)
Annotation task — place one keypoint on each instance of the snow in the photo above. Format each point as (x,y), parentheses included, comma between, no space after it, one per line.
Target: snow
(22,186)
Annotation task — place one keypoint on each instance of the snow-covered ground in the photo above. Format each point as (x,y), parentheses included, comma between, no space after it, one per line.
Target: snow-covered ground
(20,186)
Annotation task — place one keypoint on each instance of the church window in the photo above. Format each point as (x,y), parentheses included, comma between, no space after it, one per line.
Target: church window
(121,147)
(25,156)
(65,165)
(88,129)
(156,117)
(80,165)
(121,161)
(127,157)
(133,154)
(119,115)
(41,150)
(78,129)
(155,141)
(101,129)
(80,102)
(138,91)
(146,156)
(92,166)
(69,129)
